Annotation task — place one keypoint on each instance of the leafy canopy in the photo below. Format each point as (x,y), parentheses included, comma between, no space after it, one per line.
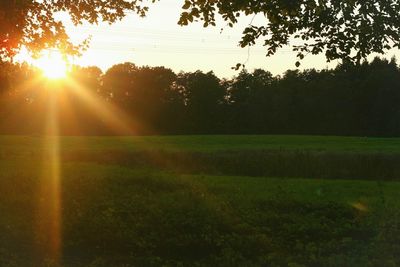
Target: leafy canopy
(342,29)
(32,23)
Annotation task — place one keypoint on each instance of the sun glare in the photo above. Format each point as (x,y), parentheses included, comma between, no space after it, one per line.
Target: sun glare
(53,65)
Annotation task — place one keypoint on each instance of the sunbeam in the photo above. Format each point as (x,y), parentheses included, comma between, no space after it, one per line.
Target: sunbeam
(50,198)
(50,193)
(116,119)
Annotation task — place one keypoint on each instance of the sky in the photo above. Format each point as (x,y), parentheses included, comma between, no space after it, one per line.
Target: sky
(157,40)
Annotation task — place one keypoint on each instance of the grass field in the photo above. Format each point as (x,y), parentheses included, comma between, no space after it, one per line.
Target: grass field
(200,201)
(209,143)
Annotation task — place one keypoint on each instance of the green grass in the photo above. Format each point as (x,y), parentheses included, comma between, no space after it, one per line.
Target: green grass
(117,209)
(209,143)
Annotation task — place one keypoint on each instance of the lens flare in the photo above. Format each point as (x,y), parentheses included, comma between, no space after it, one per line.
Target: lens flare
(53,65)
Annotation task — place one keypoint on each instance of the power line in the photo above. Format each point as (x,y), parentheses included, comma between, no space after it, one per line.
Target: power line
(119,47)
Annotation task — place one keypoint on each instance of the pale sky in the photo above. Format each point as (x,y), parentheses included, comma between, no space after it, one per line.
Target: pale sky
(157,40)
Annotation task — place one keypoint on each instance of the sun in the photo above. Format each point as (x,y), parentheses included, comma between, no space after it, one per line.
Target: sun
(53,64)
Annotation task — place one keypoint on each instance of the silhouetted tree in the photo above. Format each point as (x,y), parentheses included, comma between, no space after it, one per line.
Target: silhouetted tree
(33,24)
(349,30)
(204,96)
(118,81)
(250,99)
(348,100)
(149,96)
(337,28)
(89,77)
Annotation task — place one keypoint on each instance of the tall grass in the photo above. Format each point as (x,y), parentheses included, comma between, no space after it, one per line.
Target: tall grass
(275,163)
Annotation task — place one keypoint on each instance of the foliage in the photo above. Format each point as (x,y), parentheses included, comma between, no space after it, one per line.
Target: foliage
(33,23)
(203,96)
(349,100)
(349,30)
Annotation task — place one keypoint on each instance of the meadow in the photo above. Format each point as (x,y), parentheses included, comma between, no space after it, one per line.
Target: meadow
(200,201)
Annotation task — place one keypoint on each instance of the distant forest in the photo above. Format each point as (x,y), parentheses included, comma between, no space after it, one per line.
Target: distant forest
(359,100)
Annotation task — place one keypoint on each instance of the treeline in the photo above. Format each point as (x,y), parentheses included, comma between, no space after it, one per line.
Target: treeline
(348,100)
